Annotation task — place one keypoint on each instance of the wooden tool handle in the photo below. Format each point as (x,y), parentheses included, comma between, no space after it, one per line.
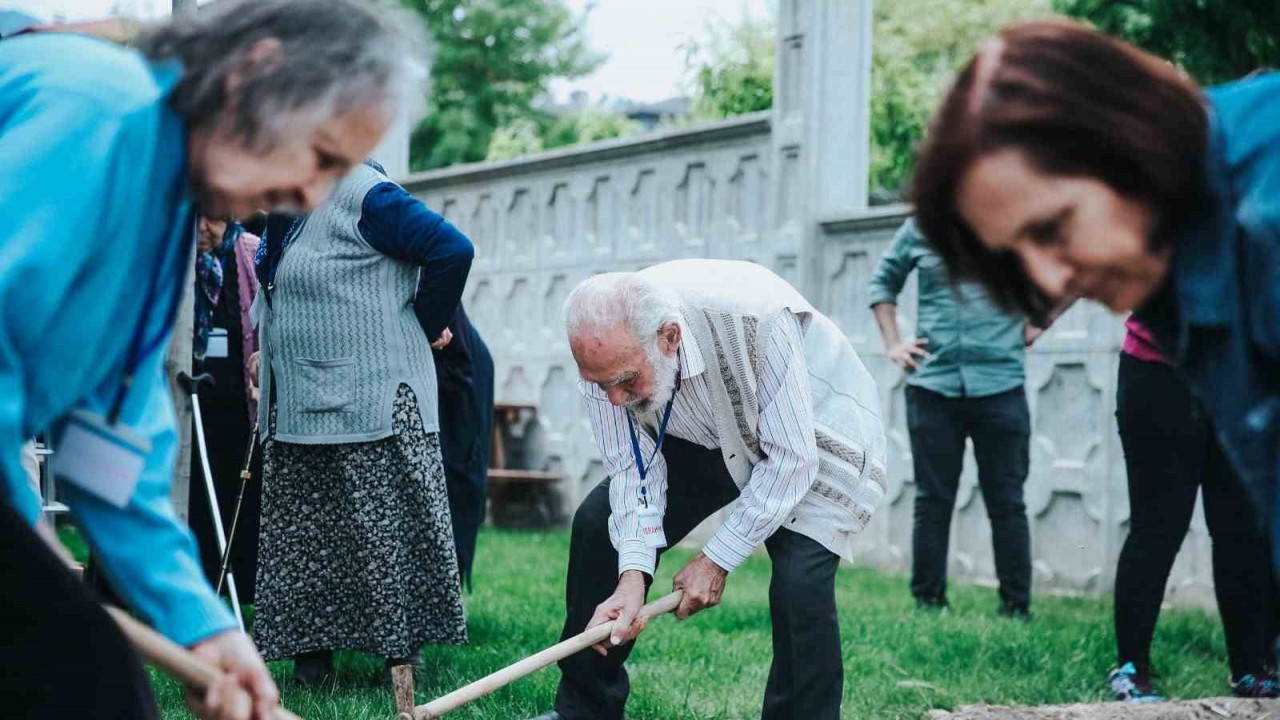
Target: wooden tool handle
(533,663)
(193,670)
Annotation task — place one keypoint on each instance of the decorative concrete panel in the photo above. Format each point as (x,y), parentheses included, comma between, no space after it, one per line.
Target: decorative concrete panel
(743,189)
(1076,495)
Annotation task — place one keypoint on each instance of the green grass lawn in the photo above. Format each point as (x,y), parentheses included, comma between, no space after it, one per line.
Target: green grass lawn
(898,663)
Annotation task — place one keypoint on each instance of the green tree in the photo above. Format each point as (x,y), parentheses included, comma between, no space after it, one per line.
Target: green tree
(597,123)
(918,47)
(493,58)
(543,131)
(731,69)
(1213,40)
(521,137)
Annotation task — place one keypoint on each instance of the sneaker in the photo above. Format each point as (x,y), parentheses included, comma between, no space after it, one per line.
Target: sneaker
(1127,685)
(1262,685)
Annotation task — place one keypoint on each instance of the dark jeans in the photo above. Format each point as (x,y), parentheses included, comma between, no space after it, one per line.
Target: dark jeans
(1170,453)
(61,655)
(1000,426)
(806,680)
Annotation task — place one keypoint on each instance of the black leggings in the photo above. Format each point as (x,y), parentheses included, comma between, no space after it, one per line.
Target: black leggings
(1170,452)
(61,656)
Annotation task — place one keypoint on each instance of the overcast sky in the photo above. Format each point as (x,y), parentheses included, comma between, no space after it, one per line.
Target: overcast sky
(641,37)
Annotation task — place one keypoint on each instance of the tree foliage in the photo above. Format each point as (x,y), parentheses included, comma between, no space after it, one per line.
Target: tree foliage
(731,68)
(1213,40)
(591,125)
(521,137)
(543,131)
(918,46)
(493,59)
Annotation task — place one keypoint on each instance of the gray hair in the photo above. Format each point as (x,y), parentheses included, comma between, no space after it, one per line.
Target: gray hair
(336,55)
(610,300)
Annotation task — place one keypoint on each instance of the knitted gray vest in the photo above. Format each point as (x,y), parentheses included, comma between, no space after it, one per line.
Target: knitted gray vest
(340,334)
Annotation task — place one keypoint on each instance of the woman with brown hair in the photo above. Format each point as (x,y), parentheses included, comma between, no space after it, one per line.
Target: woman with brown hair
(1065,163)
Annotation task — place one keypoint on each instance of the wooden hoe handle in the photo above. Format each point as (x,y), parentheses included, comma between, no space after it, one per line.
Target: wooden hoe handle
(193,670)
(531,664)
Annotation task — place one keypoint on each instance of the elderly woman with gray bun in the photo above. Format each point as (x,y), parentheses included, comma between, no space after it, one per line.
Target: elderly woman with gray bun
(246,105)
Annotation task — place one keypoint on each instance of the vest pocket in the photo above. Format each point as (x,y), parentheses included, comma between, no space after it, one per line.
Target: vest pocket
(325,385)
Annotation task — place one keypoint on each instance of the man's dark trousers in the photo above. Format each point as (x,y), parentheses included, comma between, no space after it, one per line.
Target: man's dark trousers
(1000,426)
(806,680)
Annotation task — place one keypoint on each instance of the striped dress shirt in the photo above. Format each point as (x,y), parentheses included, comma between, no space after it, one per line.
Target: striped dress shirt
(777,482)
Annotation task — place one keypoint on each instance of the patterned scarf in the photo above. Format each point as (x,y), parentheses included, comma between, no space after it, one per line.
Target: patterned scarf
(209,287)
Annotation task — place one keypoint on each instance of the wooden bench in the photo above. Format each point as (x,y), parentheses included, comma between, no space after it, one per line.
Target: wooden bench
(519,497)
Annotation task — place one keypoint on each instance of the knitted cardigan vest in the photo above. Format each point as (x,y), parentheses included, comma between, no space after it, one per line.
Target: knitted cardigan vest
(340,334)
(730,308)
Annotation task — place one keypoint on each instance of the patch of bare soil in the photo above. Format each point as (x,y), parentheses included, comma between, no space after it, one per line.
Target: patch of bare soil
(1207,709)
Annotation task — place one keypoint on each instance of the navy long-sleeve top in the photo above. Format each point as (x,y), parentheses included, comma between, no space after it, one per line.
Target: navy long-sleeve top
(398,225)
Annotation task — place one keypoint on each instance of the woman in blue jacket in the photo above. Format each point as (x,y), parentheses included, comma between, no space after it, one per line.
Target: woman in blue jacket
(104,152)
(1065,163)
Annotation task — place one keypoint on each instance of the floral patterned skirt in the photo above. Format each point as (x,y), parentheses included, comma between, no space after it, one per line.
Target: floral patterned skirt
(357,547)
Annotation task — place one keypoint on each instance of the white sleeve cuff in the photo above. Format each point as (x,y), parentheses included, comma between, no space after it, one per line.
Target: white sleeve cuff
(728,549)
(634,554)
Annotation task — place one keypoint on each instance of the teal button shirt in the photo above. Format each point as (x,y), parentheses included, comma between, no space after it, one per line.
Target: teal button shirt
(94,211)
(976,349)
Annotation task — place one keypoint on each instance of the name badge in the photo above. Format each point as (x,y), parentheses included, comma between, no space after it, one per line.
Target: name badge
(102,459)
(651,528)
(217,347)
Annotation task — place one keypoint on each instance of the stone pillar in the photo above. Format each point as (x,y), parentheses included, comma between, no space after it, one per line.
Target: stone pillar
(179,360)
(821,120)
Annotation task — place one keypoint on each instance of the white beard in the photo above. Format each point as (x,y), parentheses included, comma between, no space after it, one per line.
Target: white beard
(666,368)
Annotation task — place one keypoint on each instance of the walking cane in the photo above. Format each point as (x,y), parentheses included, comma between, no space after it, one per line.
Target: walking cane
(402,675)
(191,669)
(192,386)
(235,518)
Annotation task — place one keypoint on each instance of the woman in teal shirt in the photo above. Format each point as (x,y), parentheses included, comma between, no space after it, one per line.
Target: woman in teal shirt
(1065,162)
(104,152)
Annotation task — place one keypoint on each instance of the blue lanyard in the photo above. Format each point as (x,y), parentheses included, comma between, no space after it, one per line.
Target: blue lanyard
(139,346)
(635,441)
(657,448)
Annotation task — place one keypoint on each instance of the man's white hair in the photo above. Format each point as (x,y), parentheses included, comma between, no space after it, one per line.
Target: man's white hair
(610,300)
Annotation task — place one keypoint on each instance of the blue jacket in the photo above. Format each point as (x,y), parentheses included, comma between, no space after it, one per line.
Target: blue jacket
(95,231)
(1219,316)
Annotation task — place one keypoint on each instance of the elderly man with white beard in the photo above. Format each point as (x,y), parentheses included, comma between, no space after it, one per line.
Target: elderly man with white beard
(706,382)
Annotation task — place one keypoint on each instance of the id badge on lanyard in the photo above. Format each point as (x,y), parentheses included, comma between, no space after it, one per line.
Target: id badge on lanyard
(651,527)
(650,517)
(103,459)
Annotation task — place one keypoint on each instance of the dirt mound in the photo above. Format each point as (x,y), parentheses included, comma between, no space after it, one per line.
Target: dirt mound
(1207,709)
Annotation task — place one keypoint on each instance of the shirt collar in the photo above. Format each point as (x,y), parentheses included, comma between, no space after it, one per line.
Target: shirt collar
(691,361)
